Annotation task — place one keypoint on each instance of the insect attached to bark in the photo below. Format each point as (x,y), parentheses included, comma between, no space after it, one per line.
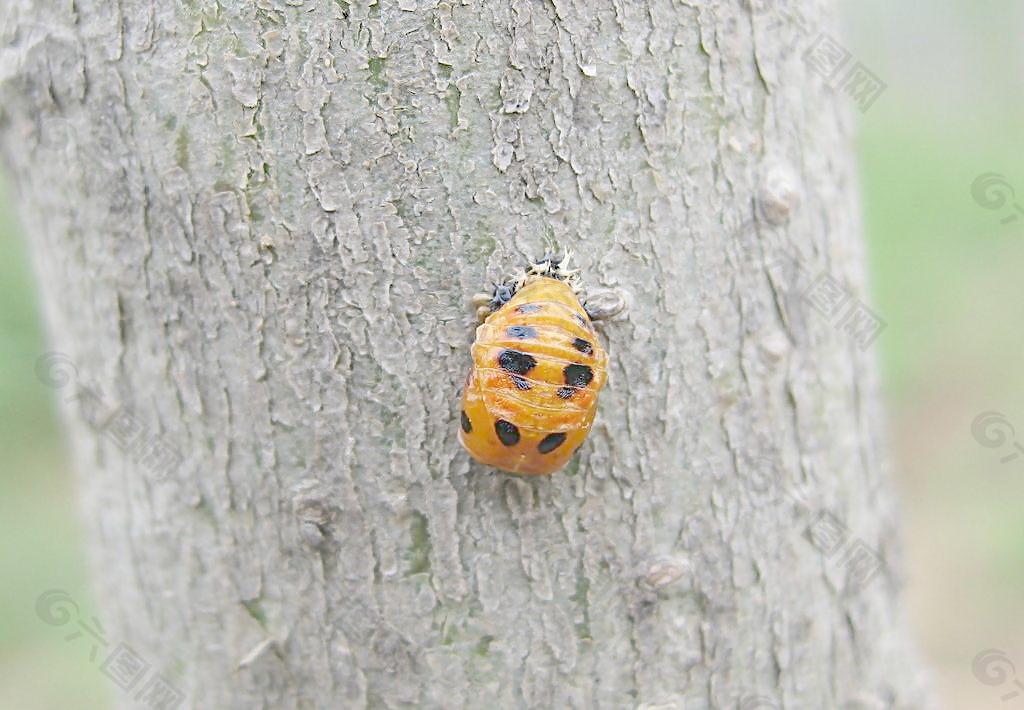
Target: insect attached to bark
(531,396)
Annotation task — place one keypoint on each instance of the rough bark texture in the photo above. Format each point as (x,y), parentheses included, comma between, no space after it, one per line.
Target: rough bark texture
(257,224)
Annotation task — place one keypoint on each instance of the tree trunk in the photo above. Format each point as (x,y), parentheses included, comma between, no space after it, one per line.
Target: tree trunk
(256,227)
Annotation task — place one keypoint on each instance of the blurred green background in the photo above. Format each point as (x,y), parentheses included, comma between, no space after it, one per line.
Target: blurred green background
(39,529)
(948,280)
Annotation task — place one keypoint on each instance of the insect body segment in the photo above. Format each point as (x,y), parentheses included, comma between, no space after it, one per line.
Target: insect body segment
(537,368)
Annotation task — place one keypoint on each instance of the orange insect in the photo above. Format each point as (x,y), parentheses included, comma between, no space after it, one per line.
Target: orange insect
(531,396)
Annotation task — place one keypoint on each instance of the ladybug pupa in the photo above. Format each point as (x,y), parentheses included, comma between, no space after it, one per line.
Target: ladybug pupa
(531,395)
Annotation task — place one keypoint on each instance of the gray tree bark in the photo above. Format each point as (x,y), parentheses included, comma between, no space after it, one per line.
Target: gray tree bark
(256,227)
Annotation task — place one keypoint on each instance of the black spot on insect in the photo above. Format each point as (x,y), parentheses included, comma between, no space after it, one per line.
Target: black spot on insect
(528,308)
(520,331)
(578,375)
(507,432)
(550,442)
(521,382)
(583,346)
(581,320)
(566,392)
(466,426)
(516,362)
